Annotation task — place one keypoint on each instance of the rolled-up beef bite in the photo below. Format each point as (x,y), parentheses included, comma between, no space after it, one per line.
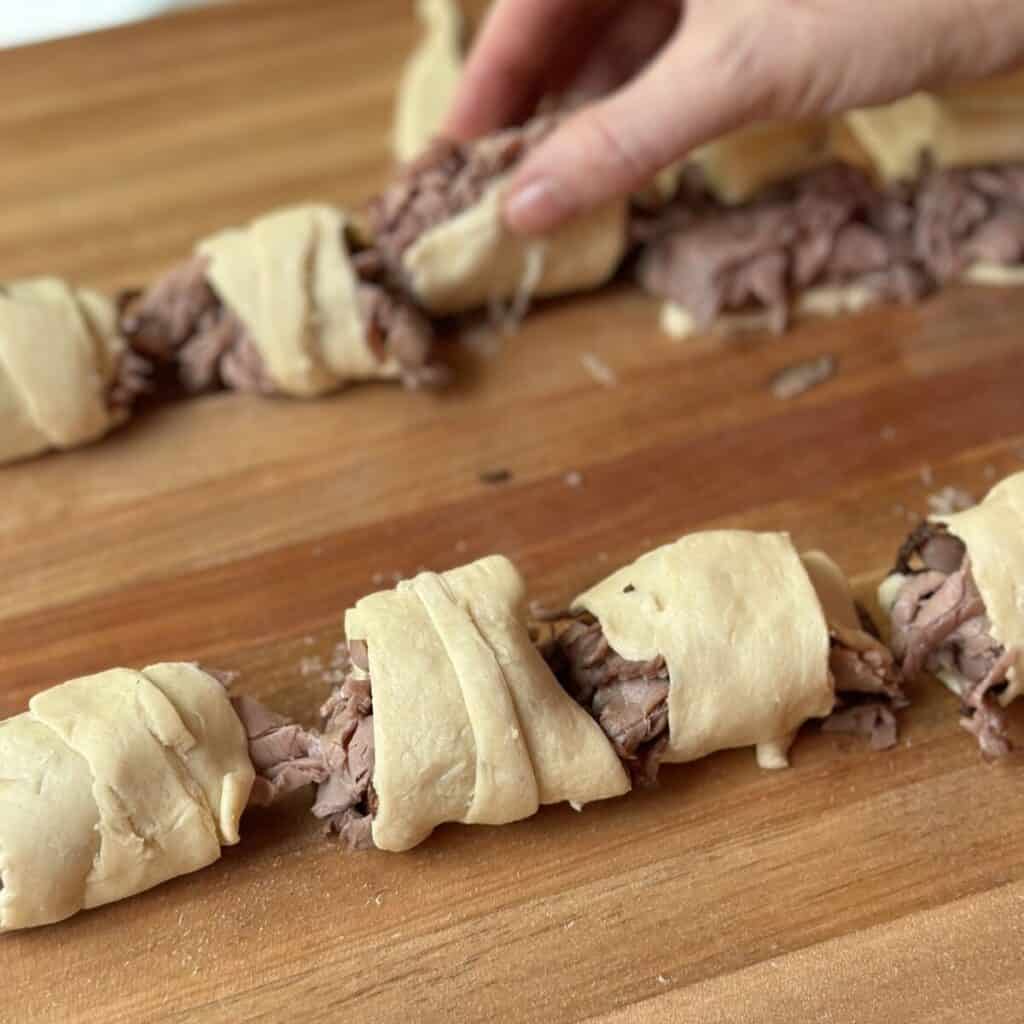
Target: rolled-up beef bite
(449,713)
(118,781)
(67,377)
(954,600)
(439,229)
(283,305)
(722,639)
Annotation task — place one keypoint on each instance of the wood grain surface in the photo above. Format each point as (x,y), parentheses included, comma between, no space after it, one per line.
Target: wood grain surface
(235,530)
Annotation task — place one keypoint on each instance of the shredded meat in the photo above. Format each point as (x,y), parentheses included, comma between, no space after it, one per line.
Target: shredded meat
(133,379)
(939,623)
(447,179)
(285,755)
(832,226)
(629,699)
(345,799)
(180,321)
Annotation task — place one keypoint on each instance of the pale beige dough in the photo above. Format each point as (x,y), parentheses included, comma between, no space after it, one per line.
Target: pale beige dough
(967,126)
(823,301)
(740,165)
(114,783)
(288,277)
(743,163)
(470,260)
(995,275)
(469,723)
(59,351)
(742,631)
(429,79)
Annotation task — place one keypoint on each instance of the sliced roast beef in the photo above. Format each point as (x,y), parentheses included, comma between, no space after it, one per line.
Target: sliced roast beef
(345,799)
(285,755)
(939,623)
(629,699)
(180,321)
(830,227)
(826,227)
(447,179)
(133,378)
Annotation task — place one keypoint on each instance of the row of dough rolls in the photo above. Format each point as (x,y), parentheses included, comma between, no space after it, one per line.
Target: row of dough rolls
(118,781)
(741,619)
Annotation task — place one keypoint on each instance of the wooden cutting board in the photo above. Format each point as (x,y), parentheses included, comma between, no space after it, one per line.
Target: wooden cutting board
(856,886)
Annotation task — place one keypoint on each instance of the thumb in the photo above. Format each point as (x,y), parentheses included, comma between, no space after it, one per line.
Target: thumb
(615,146)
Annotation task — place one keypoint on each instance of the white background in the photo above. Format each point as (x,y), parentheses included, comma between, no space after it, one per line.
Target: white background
(26,21)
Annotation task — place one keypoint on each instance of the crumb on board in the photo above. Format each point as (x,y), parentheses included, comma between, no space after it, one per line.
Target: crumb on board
(950,500)
(927,476)
(482,340)
(887,433)
(801,377)
(495,476)
(574,478)
(378,579)
(989,472)
(307,666)
(397,576)
(599,370)
(461,546)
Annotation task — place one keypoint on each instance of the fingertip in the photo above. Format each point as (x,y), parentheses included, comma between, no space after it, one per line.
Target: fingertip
(536,205)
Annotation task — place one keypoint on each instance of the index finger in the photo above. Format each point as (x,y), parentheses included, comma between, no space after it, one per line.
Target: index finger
(506,73)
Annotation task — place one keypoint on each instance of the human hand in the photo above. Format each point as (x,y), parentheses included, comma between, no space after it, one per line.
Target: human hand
(678,74)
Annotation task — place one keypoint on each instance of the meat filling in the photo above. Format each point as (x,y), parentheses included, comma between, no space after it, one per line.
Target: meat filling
(830,227)
(180,321)
(629,699)
(939,624)
(447,179)
(285,755)
(133,379)
(345,798)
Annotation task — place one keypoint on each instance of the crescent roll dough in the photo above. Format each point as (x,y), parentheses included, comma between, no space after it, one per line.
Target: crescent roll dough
(59,348)
(469,723)
(288,277)
(113,783)
(470,259)
(741,627)
(429,79)
(975,126)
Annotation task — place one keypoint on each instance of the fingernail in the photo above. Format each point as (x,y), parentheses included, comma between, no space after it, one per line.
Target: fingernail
(536,207)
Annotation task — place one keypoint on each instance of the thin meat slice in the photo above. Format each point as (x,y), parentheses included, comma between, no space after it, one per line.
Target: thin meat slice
(629,699)
(940,624)
(831,227)
(286,756)
(446,179)
(345,798)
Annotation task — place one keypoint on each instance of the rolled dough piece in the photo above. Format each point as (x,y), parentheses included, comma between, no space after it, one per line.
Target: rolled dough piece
(964,127)
(428,82)
(469,723)
(743,633)
(114,783)
(59,350)
(288,277)
(741,164)
(470,260)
